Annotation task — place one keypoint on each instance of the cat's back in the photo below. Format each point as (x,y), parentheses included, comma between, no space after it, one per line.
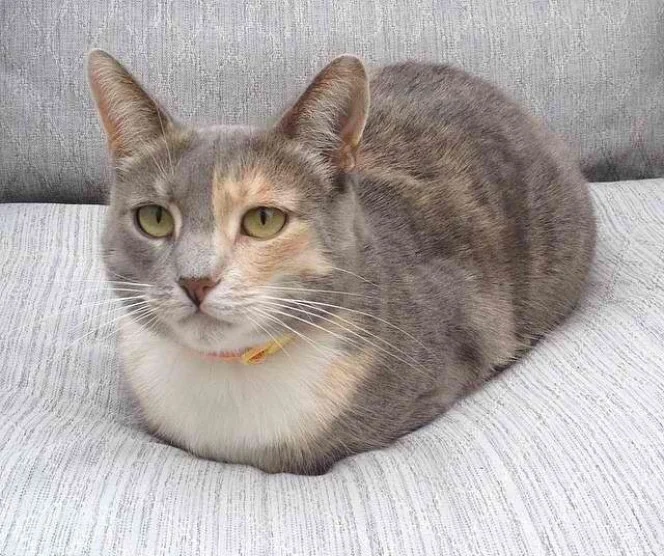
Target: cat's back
(482,184)
(431,115)
(419,88)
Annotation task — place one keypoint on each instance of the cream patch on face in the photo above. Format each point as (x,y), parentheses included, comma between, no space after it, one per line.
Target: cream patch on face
(234,195)
(293,251)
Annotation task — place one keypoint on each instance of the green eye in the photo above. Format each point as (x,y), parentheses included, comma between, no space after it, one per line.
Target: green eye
(155,221)
(263,222)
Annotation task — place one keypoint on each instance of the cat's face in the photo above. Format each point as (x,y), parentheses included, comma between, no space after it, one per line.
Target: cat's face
(247,215)
(210,230)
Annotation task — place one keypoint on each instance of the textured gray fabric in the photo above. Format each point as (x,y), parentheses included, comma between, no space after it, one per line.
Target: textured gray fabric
(593,69)
(562,454)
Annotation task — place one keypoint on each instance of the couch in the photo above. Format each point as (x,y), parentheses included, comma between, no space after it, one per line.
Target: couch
(562,454)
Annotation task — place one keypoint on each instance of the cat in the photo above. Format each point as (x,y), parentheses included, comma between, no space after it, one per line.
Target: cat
(321,287)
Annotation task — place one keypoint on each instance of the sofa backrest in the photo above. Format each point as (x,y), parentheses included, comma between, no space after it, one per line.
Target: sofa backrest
(593,69)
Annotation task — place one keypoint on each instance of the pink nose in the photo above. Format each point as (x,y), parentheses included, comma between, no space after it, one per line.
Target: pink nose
(197,288)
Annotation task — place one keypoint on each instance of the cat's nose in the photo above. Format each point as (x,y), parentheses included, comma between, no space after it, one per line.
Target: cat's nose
(197,288)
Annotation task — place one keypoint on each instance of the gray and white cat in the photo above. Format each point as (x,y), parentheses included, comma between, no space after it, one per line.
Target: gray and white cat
(326,285)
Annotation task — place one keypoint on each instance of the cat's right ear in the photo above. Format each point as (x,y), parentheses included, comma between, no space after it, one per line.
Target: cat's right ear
(331,114)
(131,118)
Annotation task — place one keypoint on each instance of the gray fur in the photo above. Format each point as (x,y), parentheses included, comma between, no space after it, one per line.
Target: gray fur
(470,224)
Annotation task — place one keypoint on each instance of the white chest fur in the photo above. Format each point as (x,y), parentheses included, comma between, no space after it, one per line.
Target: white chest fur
(231,411)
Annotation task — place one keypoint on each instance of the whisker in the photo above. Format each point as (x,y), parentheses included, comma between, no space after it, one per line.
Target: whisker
(103,325)
(106,292)
(143,320)
(124,281)
(414,364)
(286,288)
(137,304)
(334,334)
(357,326)
(58,354)
(130,290)
(118,320)
(353,274)
(379,319)
(133,284)
(259,325)
(69,310)
(121,276)
(102,281)
(276,319)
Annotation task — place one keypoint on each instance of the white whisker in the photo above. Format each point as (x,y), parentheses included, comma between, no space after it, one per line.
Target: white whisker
(105,292)
(414,365)
(137,304)
(143,320)
(369,315)
(305,290)
(353,274)
(101,281)
(357,326)
(121,276)
(128,290)
(259,325)
(67,311)
(103,325)
(276,319)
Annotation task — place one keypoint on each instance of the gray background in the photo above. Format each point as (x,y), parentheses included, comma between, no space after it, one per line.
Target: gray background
(593,68)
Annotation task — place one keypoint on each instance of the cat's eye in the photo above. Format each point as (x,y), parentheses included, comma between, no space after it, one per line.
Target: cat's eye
(263,222)
(155,221)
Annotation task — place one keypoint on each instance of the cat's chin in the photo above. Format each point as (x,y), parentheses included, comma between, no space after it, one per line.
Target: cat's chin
(205,320)
(206,335)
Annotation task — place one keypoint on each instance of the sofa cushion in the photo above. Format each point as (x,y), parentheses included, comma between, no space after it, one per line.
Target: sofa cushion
(563,453)
(593,69)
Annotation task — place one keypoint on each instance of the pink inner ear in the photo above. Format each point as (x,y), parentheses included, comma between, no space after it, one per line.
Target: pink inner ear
(347,157)
(351,134)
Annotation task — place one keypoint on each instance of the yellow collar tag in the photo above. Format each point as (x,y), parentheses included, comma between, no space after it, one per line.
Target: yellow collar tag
(255,355)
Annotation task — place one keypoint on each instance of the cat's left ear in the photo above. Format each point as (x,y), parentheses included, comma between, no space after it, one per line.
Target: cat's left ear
(131,118)
(331,114)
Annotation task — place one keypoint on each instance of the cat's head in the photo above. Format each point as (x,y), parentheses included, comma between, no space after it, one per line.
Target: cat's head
(209,228)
